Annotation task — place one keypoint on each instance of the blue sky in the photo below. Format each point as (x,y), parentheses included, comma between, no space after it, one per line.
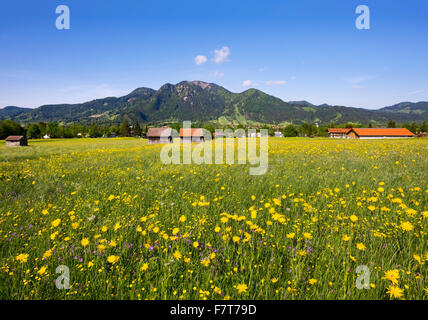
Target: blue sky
(295,50)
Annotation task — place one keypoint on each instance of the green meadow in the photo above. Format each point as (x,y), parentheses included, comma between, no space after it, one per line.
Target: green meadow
(330,219)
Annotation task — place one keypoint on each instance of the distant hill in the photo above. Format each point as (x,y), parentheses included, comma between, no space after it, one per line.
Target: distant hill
(301,103)
(201,101)
(418,108)
(11,112)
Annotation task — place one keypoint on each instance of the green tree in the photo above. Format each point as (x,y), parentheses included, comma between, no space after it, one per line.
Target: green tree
(124,129)
(209,127)
(290,131)
(95,131)
(137,129)
(391,124)
(33,131)
(9,128)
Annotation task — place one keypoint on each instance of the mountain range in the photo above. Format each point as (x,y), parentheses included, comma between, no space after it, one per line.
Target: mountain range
(201,101)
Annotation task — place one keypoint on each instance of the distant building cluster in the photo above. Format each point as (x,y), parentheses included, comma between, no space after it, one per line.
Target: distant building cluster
(188,135)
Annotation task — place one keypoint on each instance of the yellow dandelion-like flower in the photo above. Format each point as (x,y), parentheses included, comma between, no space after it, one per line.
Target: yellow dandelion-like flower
(177,255)
(301,253)
(395,292)
(418,258)
(392,275)
(116,226)
(224,219)
(56,222)
(84,242)
(361,246)
(353,218)
(411,212)
(307,235)
(241,288)
(406,226)
(144,267)
(47,254)
(42,270)
(23,257)
(113,259)
(205,262)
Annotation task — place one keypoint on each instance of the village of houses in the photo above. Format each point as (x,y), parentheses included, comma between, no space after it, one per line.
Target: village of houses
(165,135)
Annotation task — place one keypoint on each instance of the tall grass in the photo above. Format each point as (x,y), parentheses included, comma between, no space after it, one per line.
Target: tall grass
(289,234)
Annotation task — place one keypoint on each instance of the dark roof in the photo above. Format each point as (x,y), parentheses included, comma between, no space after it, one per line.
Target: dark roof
(14,138)
(159,132)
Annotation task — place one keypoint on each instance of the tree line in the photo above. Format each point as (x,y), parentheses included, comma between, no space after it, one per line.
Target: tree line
(54,130)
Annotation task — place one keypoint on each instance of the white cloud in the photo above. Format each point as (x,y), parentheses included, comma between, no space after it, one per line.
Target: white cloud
(275,82)
(416,92)
(248,83)
(293,78)
(200,59)
(221,55)
(218,74)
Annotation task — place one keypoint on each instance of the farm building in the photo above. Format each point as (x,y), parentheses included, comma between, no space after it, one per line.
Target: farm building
(159,135)
(379,133)
(338,132)
(188,135)
(13,141)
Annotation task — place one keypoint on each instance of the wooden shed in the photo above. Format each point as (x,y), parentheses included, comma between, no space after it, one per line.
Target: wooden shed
(188,135)
(16,141)
(159,135)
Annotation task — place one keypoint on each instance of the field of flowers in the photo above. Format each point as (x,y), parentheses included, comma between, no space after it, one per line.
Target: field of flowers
(129,227)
